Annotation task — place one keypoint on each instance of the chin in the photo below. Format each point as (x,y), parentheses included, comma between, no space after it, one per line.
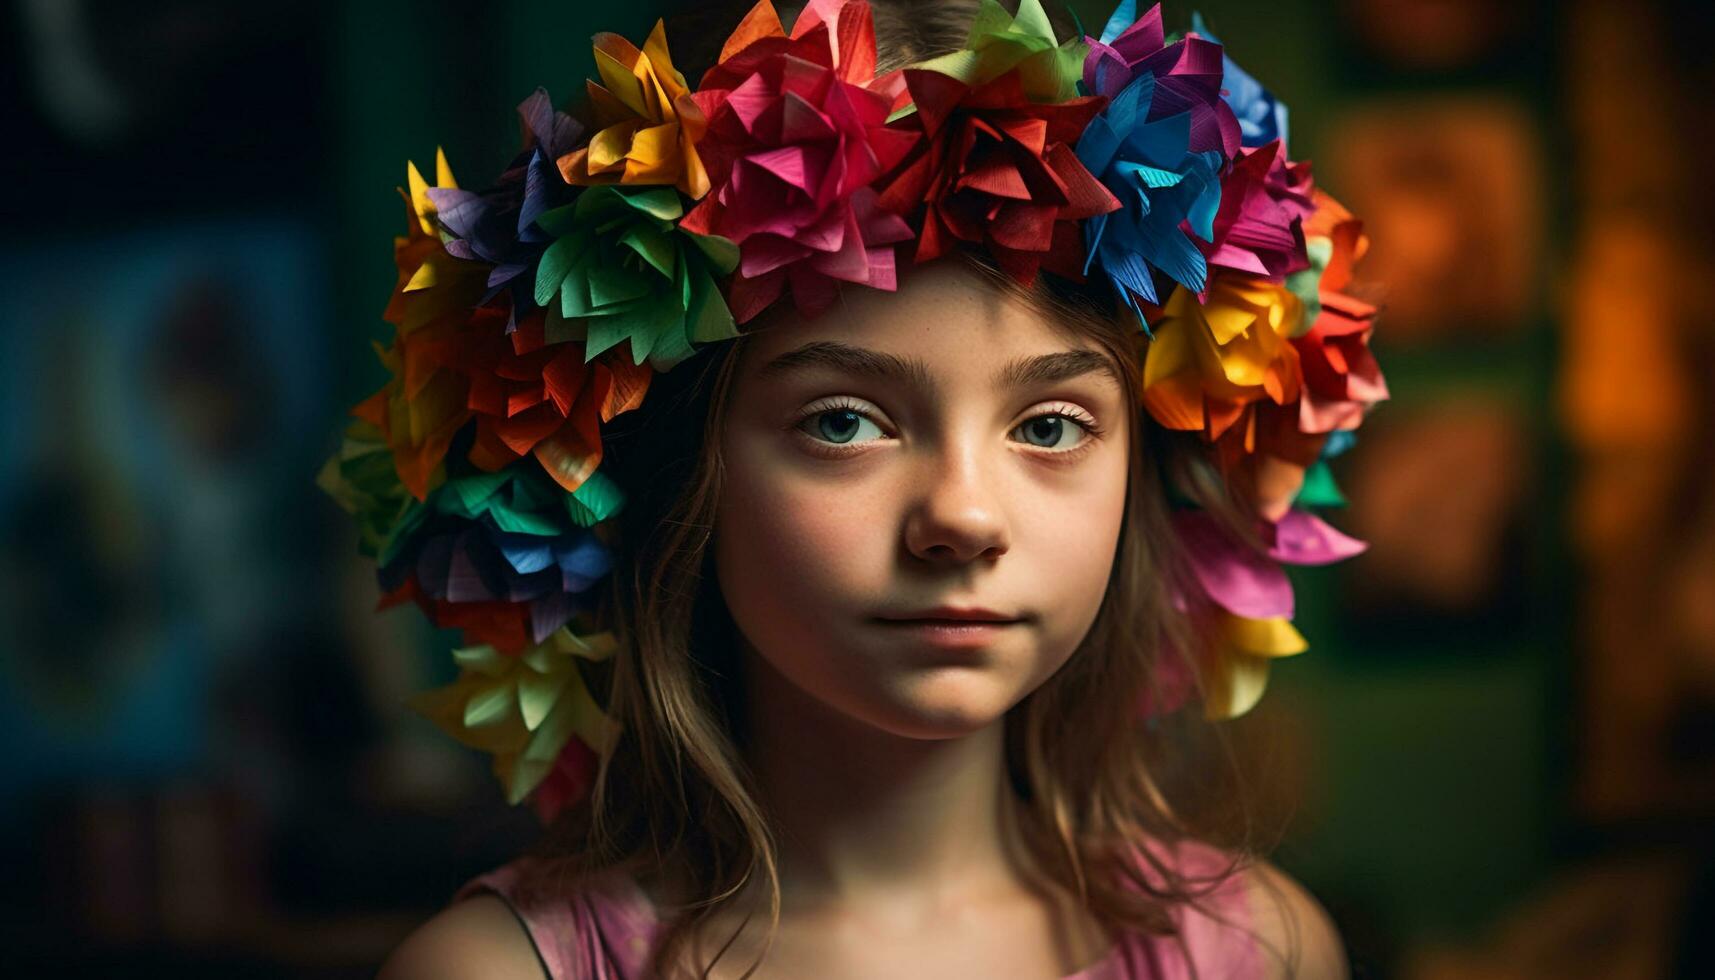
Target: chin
(943,703)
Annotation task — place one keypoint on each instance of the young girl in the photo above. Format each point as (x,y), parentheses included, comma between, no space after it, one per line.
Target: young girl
(907,597)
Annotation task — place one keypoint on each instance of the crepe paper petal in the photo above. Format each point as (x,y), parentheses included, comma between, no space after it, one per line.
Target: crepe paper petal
(995,170)
(1338,442)
(794,140)
(1211,362)
(362,478)
(1187,77)
(1168,194)
(999,43)
(646,126)
(567,783)
(525,709)
(496,226)
(1236,674)
(505,556)
(623,264)
(1306,283)
(1262,117)
(431,282)
(1301,538)
(422,407)
(1264,202)
(1319,488)
(530,396)
(1237,577)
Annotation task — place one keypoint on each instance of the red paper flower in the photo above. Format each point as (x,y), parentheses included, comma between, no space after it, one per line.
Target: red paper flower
(502,625)
(997,170)
(532,396)
(793,141)
(1342,379)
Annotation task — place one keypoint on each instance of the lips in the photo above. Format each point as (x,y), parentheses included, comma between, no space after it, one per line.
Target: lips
(951,614)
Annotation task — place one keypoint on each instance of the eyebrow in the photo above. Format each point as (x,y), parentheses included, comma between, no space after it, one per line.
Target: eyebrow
(863,362)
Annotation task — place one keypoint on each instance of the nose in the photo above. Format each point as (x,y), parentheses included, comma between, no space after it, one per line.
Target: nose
(957,515)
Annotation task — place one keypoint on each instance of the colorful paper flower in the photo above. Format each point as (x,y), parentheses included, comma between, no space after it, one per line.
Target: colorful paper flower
(620,267)
(794,140)
(646,127)
(533,396)
(1187,76)
(1262,117)
(1169,194)
(999,42)
(1342,379)
(1259,228)
(422,406)
(1252,598)
(567,782)
(1209,362)
(528,709)
(431,283)
(996,170)
(362,478)
(498,226)
(1282,445)
(486,541)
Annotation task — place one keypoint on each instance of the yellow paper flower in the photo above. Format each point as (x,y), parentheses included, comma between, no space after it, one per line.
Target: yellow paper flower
(646,123)
(1236,673)
(523,708)
(430,283)
(1208,362)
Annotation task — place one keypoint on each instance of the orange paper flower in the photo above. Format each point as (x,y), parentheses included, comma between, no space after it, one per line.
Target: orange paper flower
(646,126)
(531,396)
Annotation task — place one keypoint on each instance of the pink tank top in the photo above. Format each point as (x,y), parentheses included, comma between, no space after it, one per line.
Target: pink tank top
(605,927)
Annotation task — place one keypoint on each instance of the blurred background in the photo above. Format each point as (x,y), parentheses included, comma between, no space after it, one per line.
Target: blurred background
(1499,757)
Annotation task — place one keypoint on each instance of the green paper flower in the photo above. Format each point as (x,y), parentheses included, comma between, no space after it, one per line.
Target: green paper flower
(515,500)
(1000,42)
(361,477)
(622,268)
(523,709)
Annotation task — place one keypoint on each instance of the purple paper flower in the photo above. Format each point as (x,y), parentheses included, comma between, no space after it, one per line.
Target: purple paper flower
(498,225)
(1262,117)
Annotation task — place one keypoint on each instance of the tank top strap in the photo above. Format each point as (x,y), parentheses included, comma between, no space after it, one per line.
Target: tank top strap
(598,928)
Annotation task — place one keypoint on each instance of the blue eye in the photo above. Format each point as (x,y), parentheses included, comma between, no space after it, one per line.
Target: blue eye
(840,426)
(845,425)
(1049,431)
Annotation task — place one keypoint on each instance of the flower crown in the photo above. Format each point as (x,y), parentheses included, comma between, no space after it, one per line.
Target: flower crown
(530,314)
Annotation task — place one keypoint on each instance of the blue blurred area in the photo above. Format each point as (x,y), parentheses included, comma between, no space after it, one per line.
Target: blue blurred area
(1498,757)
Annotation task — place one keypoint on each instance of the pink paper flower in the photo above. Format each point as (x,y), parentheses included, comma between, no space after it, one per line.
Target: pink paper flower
(1264,201)
(795,136)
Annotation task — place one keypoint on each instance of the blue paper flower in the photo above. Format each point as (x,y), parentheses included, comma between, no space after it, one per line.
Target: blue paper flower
(508,537)
(1262,117)
(1161,185)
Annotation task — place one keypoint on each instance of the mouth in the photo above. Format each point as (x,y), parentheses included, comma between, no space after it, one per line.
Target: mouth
(949,632)
(949,615)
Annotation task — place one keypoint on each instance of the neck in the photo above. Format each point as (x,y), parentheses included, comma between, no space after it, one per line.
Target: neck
(863,812)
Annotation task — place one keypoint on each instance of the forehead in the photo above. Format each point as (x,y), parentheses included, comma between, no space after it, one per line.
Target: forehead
(944,315)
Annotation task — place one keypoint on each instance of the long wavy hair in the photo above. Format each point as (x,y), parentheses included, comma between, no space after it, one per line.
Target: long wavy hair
(674,797)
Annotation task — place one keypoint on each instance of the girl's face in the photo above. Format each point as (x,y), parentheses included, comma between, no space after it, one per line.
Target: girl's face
(903,455)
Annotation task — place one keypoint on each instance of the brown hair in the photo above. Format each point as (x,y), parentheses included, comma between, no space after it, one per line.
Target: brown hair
(674,797)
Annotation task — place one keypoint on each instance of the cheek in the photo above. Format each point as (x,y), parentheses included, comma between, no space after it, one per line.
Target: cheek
(795,556)
(1071,548)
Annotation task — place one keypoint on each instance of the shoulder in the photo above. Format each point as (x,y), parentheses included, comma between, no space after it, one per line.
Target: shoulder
(1296,935)
(477,937)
